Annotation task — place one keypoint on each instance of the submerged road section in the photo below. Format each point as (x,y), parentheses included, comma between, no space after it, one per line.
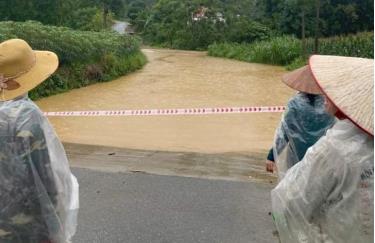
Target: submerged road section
(177,79)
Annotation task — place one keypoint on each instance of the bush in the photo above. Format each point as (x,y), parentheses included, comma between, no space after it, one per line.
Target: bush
(90,18)
(358,45)
(297,63)
(279,50)
(286,50)
(242,30)
(85,57)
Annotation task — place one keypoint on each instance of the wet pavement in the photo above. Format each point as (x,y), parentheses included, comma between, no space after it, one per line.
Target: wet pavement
(141,208)
(224,166)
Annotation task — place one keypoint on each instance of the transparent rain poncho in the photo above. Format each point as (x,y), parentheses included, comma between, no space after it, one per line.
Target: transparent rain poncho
(38,194)
(302,124)
(329,195)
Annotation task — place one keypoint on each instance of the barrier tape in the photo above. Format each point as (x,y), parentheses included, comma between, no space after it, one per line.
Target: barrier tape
(172,112)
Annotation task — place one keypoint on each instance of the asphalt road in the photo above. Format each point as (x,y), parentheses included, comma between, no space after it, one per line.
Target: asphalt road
(141,208)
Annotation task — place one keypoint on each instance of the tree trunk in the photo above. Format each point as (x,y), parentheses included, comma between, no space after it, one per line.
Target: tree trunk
(317,21)
(105,14)
(303,33)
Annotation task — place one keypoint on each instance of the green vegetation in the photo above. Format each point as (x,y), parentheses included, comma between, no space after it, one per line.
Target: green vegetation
(86,57)
(196,24)
(278,50)
(280,32)
(358,45)
(286,50)
(336,17)
(77,14)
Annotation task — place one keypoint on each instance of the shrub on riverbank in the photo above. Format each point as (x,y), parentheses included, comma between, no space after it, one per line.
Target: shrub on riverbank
(85,57)
(278,50)
(287,50)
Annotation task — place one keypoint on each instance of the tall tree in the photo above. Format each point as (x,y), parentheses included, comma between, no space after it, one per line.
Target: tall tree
(317,22)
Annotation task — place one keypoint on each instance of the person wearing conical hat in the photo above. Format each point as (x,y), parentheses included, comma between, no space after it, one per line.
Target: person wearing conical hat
(302,124)
(38,193)
(329,195)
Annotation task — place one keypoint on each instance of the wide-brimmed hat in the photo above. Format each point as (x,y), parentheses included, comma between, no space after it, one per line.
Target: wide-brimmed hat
(22,69)
(302,80)
(348,82)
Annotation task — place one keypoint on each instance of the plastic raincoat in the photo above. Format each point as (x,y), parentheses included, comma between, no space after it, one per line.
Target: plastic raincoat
(329,195)
(38,193)
(301,126)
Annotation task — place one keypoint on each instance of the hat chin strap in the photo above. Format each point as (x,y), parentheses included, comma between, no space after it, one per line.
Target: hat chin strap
(7,84)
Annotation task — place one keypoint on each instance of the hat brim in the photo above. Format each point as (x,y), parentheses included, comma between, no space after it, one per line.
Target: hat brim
(348,82)
(46,63)
(302,80)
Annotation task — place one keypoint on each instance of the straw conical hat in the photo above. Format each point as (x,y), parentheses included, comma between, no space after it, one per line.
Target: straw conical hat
(302,80)
(22,69)
(349,83)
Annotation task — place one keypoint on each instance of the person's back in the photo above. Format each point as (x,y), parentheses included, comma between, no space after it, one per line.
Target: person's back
(303,124)
(35,187)
(329,194)
(27,189)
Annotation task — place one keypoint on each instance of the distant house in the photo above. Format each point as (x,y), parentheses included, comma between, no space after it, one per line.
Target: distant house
(201,14)
(123,28)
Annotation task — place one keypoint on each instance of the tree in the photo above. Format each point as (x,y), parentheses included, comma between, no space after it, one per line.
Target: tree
(317,21)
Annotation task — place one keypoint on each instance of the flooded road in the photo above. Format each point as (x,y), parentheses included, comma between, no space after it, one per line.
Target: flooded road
(120,27)
(177,79)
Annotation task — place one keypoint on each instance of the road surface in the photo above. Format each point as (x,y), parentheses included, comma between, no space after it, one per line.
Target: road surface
(142,208)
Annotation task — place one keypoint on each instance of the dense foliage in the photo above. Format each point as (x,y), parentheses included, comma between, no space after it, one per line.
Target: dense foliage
(77,14)
(337,17)
(195,24)
(286,50)
(192,25)
(271,31)
(85,57)
(178,23)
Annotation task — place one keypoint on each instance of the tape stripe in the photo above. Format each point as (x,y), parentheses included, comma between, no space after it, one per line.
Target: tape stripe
(172,112)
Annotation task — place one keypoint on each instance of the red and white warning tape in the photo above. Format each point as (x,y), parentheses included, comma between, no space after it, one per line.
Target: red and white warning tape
(172,112)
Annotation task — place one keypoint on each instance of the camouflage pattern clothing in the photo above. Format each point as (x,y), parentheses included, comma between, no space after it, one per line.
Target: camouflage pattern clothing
(31,208)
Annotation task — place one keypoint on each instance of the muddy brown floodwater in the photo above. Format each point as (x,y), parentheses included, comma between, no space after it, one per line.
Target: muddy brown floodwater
(177,79)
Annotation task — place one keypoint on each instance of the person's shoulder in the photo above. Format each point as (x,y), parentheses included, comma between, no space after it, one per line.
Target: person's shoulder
(344,130)
(347,140)
(297,102)
(22,112)
(28,107)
